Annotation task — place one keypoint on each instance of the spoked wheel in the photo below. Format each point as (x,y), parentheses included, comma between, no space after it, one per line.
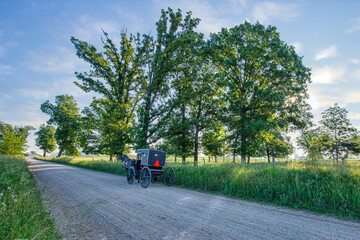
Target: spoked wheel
(145,177)
(169,176)
(130,175)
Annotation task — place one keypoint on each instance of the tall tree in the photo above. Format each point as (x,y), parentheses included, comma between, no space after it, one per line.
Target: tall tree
(64,114)
(45,139)
(115,76)
(336,124)
(173,33)
(13,139)
(266,82)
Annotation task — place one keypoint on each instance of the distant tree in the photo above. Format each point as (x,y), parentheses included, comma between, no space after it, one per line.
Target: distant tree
(13,139)
(66,117)
(213,142)
(115,76)
(45,139)
(314,142)
(265,80)
(277,145)
(338,127)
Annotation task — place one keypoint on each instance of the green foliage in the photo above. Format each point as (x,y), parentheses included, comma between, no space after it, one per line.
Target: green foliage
(45,139)
(115,76)
(66,117)
(340,132)
(13,139)
(22,213)
(162,59)
(314,142)
(265,80)
(320,189)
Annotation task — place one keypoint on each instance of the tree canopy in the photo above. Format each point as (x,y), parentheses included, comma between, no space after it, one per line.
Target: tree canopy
(266,82)
(45,139)
(64,114)
(13,139)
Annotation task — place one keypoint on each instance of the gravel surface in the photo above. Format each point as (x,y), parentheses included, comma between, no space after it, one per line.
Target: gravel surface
(93,205)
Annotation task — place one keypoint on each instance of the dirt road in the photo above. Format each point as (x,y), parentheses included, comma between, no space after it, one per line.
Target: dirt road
(94,205)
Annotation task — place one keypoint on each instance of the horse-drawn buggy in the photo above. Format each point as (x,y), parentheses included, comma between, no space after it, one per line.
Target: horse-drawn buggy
(148,167)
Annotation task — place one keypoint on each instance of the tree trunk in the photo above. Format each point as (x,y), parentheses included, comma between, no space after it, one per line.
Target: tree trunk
(273,162)
(183,160)
(111,157)
(175,158)
(233,157)
(215,158)
(61,151)
(248,160)
(209,158)
(44,155)
(118,157)
(197,130)
(243,158)
(268,154)
(224,159)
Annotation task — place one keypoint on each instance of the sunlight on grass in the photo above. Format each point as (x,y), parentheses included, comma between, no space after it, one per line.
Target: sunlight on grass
(316,186)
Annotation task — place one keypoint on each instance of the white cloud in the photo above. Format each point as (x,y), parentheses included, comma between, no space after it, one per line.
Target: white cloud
(5,69)
(238,5)
(355,61)
(213,16)
(353,115)
(11,44)
(267,11)
(5,46)
(327,74)
(355,26)
(327,53)
(298,46)
(56,59)
(2,51)
(356,74)
(352,97)
(90,30)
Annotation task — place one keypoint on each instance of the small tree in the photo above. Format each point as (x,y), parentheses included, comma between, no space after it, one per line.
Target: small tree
(13,139)
(314,142)
(336,124)
(65,115)
(46,139)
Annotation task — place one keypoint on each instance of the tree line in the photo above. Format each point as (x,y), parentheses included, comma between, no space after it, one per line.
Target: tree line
(240,91)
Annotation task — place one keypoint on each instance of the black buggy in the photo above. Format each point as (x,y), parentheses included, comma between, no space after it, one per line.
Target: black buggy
(148,168)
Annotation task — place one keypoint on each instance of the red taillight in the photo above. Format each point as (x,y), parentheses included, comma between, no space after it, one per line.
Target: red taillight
(165,162)
(145,160)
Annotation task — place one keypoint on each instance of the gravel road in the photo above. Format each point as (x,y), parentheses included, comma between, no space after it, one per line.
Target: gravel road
(94,205)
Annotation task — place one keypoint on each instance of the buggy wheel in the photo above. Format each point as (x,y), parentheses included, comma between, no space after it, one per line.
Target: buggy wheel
(169,176)
(145,177)
(130,175)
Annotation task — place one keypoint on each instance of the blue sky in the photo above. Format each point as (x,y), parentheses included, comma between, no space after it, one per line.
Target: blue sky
(38,61)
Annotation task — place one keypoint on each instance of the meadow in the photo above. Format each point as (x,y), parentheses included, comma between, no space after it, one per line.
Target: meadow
(301,184)
(23,215)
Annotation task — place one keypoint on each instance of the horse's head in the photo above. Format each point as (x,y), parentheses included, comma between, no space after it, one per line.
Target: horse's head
(124,158)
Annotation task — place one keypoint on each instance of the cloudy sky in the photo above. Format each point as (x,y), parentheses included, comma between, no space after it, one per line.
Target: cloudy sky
(38,61)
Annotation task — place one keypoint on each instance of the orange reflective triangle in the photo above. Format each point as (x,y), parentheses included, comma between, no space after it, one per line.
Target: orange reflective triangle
(157,164)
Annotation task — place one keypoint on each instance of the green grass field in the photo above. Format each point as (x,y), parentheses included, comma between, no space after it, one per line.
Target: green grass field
(320,187)
(22,213)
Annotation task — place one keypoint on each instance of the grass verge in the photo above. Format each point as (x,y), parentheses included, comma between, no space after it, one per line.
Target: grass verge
(22,213)
(320,187)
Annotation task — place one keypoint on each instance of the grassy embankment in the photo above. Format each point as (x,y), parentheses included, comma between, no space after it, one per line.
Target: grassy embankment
(320,187)
(22,213)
